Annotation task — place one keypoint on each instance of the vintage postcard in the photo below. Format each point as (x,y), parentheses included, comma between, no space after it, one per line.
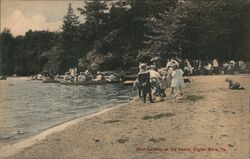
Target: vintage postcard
(124,79)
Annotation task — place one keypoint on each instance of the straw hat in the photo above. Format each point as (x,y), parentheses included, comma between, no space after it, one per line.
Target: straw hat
(143,67)
(153,67)
(175,66)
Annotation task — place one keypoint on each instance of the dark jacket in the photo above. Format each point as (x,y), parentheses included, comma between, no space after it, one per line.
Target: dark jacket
(144,79)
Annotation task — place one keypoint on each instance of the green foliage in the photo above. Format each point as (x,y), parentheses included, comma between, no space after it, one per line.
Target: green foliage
(126,32)
(6,52)
(53,59)
(70,40)
(21,55)
(202,29)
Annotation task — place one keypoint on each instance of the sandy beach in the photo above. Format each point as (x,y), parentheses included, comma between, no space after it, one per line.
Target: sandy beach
(211,122)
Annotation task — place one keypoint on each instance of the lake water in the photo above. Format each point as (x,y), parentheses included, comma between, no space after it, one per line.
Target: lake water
(32,106)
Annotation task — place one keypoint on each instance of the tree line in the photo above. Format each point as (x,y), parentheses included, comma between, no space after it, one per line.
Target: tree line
(120,34)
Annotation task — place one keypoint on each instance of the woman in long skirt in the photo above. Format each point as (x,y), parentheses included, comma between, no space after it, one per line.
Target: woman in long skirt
(177,81)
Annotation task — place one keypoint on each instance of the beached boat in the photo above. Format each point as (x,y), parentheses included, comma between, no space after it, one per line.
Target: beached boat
(50,81)
(129,77)
(128,83)
(113,82)
(3,77)
(100,82)
(37,77)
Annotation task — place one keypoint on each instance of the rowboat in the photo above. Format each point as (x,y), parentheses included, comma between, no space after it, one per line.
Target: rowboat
(91,82)
(129,77)
(113,81)
(50,81)
(128,83)
(3,78)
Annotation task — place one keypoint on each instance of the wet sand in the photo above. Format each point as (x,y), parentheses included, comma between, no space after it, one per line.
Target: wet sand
(211,122)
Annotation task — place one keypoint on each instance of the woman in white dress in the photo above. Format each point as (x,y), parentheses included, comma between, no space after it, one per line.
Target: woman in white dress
(164,81)
(169,77)
(177,81)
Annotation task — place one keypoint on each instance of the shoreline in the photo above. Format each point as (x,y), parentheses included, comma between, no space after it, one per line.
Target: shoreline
(13,148)
(211,122)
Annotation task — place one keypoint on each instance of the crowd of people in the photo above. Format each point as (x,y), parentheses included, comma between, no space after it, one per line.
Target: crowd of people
(199,67)
(155,80)
(74,76)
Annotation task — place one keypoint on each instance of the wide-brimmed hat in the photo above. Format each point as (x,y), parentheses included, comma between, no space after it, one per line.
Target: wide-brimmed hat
(169,64)
(143,67)
(153,67)
(175,66)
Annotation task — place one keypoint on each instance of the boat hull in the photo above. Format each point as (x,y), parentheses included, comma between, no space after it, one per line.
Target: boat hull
(102,82)
(50,81)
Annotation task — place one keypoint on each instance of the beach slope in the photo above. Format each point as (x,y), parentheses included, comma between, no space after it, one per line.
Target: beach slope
(211,122)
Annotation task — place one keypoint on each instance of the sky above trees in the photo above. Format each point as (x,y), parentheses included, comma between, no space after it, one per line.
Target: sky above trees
(20,16)
(116,37)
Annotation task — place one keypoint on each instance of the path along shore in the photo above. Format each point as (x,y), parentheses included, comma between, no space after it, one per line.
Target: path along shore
(211,122)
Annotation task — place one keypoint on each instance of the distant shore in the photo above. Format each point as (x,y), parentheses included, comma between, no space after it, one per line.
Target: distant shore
(210,122)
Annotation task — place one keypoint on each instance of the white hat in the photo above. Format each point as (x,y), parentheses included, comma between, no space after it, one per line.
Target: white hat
(143,67)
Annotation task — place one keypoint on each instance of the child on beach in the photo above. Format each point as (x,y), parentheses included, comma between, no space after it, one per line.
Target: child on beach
(177,81)
(144,81)
(169,77)
(233,84)
(137,85)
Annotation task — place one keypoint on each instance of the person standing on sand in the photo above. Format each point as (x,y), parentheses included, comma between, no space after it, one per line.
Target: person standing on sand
(136,84)
(164,81)
(216,68)
(169,77)
(144,81)
(209,69)
(156,82)
(177,81)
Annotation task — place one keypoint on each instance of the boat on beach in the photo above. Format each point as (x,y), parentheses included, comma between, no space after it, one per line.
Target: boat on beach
(3,78)
(90,82)
(113,82)
(128,83)
(50,81)
(37,77)
(111,77)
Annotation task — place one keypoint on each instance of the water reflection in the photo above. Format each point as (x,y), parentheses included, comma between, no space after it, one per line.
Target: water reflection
(27,107)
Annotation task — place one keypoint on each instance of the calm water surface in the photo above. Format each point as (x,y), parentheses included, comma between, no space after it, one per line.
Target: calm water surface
(32,106)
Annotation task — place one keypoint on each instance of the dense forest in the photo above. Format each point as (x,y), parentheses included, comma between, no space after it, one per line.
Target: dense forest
(120,34)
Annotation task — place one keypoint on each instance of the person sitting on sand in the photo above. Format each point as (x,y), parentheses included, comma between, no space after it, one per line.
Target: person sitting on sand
(144,81)
(225,66)
(177,81)
(188,69)
(209,69)
(216,68)
(233,84)
(231,67)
